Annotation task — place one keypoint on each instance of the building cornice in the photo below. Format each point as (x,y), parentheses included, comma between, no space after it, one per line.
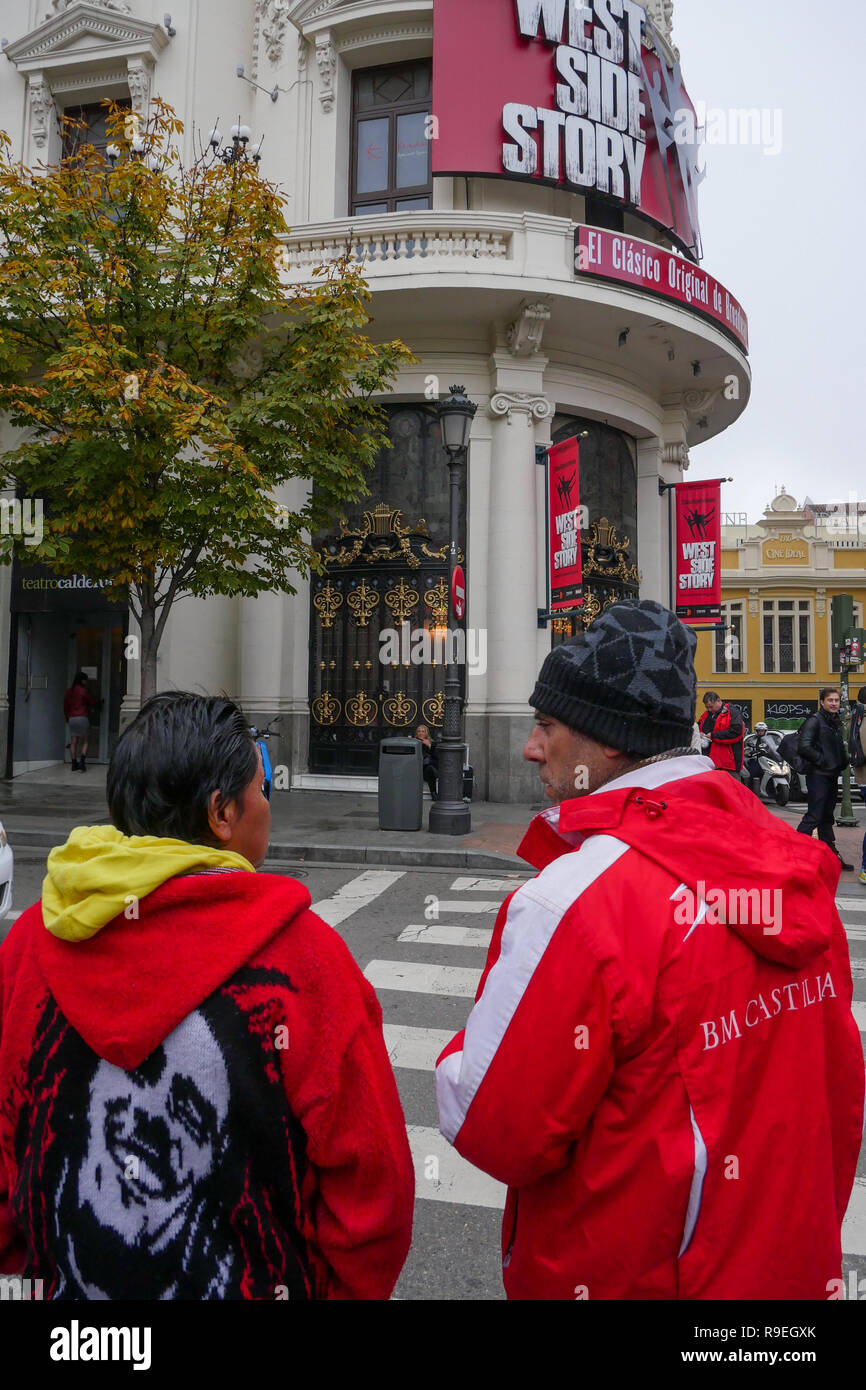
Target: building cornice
(793,579)
(83,37)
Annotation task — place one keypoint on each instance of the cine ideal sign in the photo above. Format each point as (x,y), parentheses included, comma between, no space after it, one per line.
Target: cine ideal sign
(567,94)
(626,260)
(699,536)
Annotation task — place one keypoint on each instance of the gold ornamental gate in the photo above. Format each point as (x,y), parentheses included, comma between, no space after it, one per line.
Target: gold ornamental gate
(608,574)
(378,618)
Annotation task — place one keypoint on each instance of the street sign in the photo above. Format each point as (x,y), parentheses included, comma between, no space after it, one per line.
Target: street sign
(458,593)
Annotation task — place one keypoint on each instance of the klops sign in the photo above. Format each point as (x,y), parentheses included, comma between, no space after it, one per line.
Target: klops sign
(568,94)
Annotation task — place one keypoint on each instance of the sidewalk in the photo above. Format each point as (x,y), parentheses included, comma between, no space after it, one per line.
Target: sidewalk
(39,809)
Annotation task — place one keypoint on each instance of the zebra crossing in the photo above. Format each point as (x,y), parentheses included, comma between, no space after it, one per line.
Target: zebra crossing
(441,1174)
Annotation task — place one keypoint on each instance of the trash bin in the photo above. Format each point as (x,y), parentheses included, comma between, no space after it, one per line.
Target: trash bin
(400,784)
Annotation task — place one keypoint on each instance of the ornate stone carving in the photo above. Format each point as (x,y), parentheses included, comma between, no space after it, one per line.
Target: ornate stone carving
(509,403)
(524,335)
(753,602)
(661,12)
(699,402)
(273,17)
(387,34)
(138,76)
(821,601)
(303,51)
(326,58)
(42,110)
(58,6)
(677,454)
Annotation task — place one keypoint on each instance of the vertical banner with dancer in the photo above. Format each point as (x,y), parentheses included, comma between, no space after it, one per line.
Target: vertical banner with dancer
(698,546)
(565,523)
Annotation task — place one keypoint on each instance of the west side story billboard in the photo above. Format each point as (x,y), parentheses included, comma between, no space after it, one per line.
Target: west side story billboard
(566,94)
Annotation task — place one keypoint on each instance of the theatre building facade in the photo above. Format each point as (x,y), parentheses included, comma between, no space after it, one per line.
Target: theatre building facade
(520,182)
(774,650)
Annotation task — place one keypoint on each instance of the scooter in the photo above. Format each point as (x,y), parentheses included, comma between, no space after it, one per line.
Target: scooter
(774,772)
(260,735)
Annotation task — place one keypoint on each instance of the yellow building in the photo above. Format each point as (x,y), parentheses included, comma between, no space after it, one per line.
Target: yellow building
(778,579)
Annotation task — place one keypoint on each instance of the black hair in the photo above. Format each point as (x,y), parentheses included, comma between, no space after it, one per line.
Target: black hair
(79,678)
(711,695)
(828,690)
(861,695)
(177,751)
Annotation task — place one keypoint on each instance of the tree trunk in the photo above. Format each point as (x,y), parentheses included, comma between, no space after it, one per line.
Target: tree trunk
(149,647)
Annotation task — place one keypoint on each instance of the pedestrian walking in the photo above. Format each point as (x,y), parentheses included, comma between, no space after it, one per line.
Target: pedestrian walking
(722,724)
(821,746)
(198,1102)
(430,768)
(857,754)
(77,705)
(646,1064)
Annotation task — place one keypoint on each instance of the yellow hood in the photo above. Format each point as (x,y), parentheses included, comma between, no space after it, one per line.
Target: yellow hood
(99,873)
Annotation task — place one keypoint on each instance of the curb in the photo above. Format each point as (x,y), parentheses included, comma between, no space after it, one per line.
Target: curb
(418,857)
(411,857)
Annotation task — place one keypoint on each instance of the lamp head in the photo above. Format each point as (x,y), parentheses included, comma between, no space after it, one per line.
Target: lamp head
(456,414)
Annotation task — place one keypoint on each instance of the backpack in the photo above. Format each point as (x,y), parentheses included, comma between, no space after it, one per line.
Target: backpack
(788,749)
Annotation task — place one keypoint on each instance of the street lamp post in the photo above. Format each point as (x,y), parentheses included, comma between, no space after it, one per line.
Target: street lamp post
(450,814)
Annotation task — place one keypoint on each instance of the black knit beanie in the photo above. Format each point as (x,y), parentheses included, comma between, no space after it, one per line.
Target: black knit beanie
(628,681)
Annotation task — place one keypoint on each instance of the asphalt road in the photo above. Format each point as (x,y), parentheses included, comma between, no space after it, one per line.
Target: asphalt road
(420,936)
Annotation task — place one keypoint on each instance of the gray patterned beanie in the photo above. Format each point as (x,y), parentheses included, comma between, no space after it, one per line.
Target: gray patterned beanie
(628,681)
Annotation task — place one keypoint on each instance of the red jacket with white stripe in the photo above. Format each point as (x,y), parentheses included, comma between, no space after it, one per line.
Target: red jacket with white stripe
(662,1062)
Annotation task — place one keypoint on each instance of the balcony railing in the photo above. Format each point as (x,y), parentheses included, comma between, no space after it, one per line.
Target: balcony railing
(384,244)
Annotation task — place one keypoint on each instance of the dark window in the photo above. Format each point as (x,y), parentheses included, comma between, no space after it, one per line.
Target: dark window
(769,657)
(94,134)
(786,641)
(390,139)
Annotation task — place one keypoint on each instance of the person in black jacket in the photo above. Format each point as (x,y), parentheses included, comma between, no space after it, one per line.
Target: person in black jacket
(430,761)
(822,748)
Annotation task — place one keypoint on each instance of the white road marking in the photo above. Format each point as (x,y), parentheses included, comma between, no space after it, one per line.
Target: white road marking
(438,934)
(488,885)
(854,1225)
(423,979)
(441,1175)
(355,894)
(415,1048)
(859,1012)
(849,904)
(447,906)
(11,916)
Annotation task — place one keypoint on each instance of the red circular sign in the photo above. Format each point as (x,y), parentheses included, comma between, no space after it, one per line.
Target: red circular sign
(458,593)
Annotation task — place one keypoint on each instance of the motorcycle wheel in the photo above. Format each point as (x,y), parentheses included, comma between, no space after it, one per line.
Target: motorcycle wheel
(782,794)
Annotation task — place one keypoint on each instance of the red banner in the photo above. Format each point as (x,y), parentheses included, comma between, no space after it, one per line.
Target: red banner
(564,521)
(567,96)
(699,543)
(629,261)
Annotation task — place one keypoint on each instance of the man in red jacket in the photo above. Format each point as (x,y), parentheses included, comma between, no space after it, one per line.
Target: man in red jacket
(197,1099)
(662,1062)
(723,725)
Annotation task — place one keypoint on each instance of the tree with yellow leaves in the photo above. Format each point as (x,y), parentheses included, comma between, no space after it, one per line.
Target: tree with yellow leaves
(167,381)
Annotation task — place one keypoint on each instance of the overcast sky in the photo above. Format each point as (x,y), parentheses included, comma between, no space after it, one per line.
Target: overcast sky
(782,233)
